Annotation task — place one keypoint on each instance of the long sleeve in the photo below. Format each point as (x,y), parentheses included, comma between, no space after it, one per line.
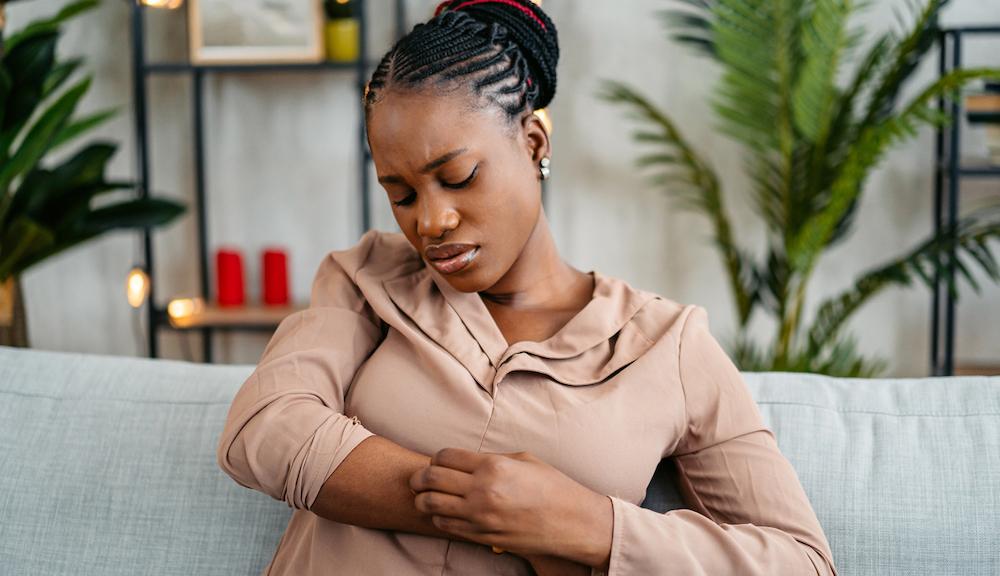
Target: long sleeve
(749,513)
(286,431)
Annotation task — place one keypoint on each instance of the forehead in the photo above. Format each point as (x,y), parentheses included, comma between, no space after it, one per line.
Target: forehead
(406,129)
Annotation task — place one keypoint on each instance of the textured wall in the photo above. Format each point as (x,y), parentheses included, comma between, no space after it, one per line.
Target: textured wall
(282,170)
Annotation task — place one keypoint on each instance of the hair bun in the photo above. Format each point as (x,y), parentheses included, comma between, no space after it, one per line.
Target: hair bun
(530,29)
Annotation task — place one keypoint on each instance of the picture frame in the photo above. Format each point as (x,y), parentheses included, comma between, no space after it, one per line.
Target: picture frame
(255,31)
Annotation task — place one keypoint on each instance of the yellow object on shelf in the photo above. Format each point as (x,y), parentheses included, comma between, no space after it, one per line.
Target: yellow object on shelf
(342,39)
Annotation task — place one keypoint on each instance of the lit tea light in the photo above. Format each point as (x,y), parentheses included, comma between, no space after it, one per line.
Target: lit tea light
(137,287)
(168,4)
(184,307)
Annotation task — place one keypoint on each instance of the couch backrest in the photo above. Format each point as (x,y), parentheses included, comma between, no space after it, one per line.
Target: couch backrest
(107,466)
(904,474)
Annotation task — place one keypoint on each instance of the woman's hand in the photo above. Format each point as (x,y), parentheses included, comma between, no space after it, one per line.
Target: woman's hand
(516,502)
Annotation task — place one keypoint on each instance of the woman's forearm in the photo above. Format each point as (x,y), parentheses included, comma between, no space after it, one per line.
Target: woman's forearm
(370,488)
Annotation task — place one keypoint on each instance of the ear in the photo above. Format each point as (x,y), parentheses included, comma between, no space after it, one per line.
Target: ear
(536,137)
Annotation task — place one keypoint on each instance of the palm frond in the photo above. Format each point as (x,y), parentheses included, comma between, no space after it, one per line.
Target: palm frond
(757,42)
(746,354)
(692,182)
(930,259)
(905,56)
(843,360)
(865,154)
(690,24)
(824,41)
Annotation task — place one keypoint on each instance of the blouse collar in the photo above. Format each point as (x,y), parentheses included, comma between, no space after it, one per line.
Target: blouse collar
(595,343)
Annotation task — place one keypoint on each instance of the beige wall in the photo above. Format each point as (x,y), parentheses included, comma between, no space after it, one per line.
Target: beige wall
(282,170)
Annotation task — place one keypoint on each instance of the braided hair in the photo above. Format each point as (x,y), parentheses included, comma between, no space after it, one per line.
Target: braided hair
(505,50)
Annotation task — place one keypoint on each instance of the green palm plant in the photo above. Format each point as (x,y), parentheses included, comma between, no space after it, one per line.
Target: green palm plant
(809,144)
(45,207)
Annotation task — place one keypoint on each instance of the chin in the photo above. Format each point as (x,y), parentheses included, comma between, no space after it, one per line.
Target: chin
(467,283)
(475,279)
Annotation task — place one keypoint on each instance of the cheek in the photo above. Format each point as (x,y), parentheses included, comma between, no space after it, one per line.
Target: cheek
(510,216)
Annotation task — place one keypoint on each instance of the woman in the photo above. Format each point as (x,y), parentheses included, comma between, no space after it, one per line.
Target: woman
(459,400)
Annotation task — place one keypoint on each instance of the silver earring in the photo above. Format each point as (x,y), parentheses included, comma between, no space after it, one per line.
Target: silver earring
(545,168)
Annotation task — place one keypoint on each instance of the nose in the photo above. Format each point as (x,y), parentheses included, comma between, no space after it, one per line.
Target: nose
(436,216)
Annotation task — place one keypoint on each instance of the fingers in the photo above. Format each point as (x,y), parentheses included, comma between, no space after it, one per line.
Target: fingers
(441,479)
(432,502)
(459,459)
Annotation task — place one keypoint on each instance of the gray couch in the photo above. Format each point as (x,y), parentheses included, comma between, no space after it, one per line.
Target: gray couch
(107,467)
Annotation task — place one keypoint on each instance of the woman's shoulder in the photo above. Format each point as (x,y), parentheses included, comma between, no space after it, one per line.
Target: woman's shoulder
(377,253)
(657,315)
(377,256)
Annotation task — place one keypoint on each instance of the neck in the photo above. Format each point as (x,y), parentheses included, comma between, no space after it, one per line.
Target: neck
(538,276)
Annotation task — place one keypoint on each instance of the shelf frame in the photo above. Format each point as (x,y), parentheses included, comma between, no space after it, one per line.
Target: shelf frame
(142,70)
(948,174)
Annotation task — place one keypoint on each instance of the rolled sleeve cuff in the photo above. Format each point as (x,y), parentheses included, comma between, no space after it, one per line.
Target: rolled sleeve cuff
(324,463)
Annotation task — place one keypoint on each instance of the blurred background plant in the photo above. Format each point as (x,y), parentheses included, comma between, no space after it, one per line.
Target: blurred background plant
(46,209)
(810,145)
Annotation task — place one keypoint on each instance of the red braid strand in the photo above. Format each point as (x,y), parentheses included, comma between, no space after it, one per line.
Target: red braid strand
(513,3)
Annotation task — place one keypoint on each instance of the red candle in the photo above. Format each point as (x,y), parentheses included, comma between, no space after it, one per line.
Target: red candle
(229,277)
(275,265)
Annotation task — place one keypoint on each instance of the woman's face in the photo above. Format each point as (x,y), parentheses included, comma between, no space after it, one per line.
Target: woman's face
(458,174)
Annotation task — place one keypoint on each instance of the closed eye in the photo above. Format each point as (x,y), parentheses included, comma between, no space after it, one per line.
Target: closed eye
(465,182)
(409,199)
(405,201)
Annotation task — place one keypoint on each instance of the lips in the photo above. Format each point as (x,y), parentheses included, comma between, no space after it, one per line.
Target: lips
(445,251)
(459,259)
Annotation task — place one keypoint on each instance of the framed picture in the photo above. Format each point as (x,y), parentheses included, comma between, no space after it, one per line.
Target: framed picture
(255,31)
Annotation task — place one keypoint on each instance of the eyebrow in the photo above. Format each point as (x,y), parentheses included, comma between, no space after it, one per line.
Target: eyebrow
(432,165)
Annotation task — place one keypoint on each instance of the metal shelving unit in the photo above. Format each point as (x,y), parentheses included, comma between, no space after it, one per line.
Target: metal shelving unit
(949,172)
(252,317)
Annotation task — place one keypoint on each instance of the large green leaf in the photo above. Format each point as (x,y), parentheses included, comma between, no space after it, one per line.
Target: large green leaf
(24,238)
(6,85)
(59,74)
(39,139)
(48,25)
(125,215)
(82,125)
(140,213)
(48,195)
(27,65)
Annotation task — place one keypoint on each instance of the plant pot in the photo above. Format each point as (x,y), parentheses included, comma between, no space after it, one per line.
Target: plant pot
(13,322)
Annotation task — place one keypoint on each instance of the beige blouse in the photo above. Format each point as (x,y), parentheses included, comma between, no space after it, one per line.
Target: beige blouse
(388,347)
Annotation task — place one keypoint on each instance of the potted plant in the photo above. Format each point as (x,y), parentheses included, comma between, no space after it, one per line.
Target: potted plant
(45,207)
(809,144)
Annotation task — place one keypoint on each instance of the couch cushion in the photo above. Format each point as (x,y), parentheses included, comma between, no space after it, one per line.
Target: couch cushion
(107,466)
(904,474)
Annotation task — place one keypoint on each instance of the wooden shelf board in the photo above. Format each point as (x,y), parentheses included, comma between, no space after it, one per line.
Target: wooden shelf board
(183,67)
(977,369)
(214,316)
